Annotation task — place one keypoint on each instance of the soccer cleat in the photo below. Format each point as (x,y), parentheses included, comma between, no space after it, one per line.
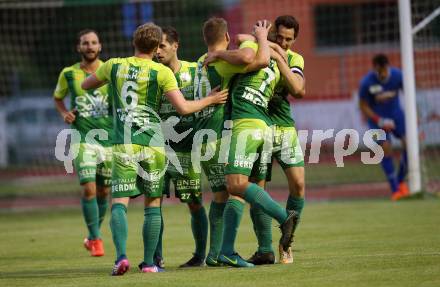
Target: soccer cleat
(87,244)
(402,191)
(287,229)
(286,257)
(396,195)
(96,247)
(121,266)
(195,261)
(149,268)
(234,260)
(262,258)
(212,262)
(159,262)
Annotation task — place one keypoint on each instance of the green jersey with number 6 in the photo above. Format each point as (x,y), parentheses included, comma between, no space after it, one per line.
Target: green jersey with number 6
(185,80)
(279,106)
(251,93)
(137,87)
(218,73)
(93,108)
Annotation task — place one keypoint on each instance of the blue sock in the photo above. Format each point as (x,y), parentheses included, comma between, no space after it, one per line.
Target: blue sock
(388,168)
(403,168)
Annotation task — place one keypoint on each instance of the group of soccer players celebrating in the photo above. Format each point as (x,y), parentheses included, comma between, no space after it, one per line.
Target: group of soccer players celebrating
(157,111)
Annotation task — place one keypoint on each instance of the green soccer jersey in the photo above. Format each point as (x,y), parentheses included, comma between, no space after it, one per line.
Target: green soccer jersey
(93,106)
(185,80)
(137,88)
(215,74)
(279,106)
(251,93)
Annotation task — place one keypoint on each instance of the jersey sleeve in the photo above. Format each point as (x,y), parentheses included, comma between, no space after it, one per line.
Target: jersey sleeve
(296,64)
(249,44)
(62,87)
(226,69)
(166,80)
(104,71)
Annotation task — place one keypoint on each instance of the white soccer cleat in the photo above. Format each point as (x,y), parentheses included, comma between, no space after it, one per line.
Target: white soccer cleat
(286,257)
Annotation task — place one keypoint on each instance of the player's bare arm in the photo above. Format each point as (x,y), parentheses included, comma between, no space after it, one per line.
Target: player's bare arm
(92,82)
(184,107)
(295,82)
(243,56)
(261,30)
(68,116)
(240,38)
(386,124)
(246,56)
(279,50)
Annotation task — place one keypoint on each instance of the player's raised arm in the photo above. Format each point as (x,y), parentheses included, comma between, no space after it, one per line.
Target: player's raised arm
(184,107)
(261,30)
(240,38)
(242,56)
(247,55)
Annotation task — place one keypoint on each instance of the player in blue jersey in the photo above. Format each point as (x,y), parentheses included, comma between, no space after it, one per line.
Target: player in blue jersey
(379,103)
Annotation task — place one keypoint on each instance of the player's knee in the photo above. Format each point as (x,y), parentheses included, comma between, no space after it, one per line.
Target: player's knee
(152,201)
(194,207)
(102,191)
(235,185)
(89,191)
(221,196)
(298,188)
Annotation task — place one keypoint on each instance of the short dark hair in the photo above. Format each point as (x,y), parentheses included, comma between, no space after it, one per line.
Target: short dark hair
(214,29)
(84,32)
(380,60)
(171,33)
(289,22)
(147,37)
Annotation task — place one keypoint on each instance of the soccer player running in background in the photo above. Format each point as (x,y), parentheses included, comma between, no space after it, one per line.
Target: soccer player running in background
(379,103)
(219,73)
(187,186)
(89,110)
(139,160)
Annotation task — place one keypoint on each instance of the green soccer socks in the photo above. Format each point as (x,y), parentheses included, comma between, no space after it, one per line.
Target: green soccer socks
(119,228)
(158,253)
(215,228)
(151,232)
(263,229)
(102,208)
(91,217)
(257,196)
(199,226)
(231,218)
(297,204)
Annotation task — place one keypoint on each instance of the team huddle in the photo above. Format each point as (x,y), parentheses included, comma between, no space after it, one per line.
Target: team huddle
(163,120)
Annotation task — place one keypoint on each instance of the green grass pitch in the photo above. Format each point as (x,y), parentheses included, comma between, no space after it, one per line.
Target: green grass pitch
(359,243)
(316,175)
